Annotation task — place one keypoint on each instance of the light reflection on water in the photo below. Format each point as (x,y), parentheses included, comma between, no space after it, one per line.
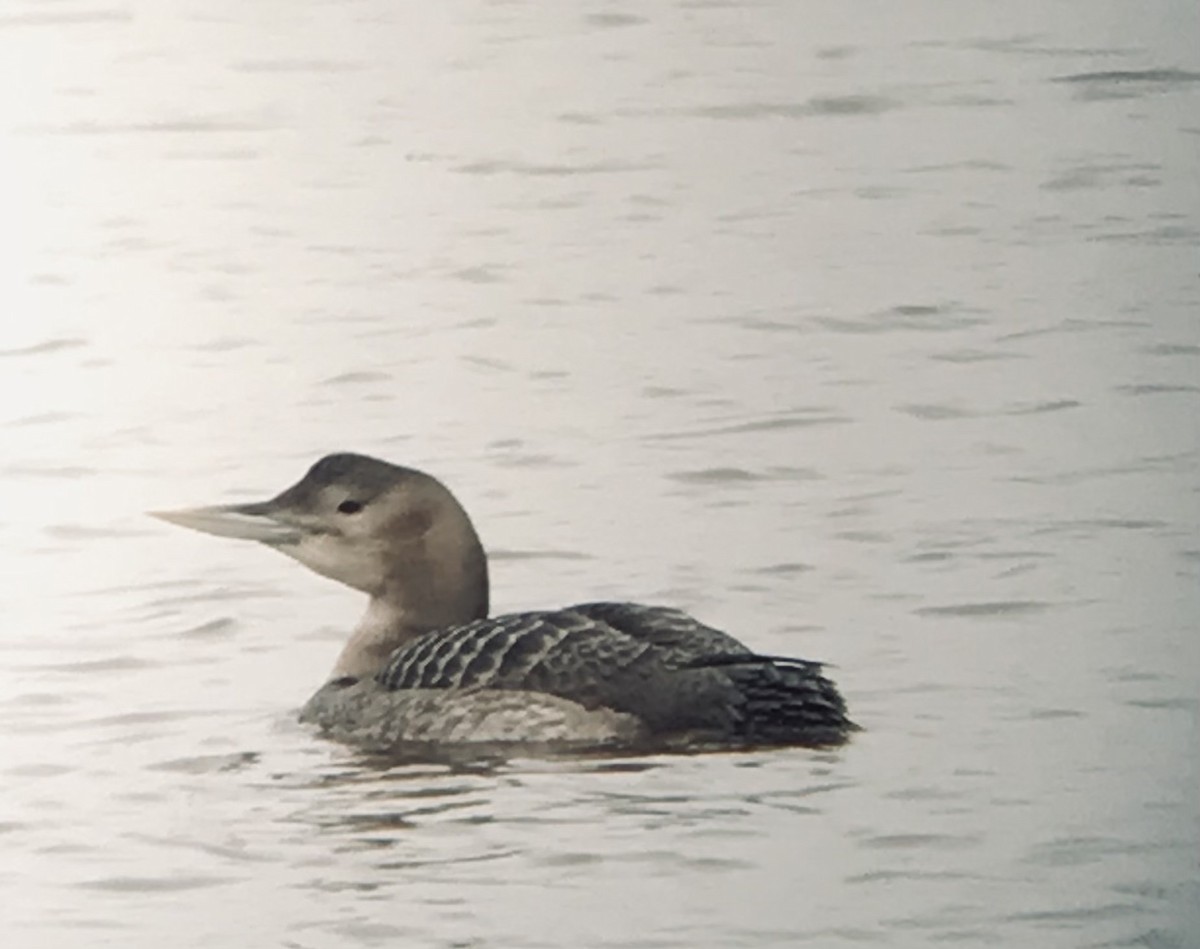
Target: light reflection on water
(870,338)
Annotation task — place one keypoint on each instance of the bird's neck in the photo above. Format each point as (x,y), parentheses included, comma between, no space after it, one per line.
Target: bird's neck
(383,629)
(440,580)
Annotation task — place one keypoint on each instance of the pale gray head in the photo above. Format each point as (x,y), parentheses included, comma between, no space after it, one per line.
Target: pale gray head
(396,534)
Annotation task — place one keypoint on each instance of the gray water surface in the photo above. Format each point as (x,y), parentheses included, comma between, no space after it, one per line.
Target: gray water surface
(867,331)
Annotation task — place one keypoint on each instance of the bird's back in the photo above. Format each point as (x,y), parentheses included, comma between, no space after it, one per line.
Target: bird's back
(674,674)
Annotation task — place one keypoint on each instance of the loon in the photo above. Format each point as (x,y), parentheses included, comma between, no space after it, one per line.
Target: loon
(427,666)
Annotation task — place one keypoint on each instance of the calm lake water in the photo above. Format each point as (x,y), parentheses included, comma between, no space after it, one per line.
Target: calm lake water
(867,331)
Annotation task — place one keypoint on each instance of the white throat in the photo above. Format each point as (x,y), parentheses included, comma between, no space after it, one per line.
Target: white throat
(383,629)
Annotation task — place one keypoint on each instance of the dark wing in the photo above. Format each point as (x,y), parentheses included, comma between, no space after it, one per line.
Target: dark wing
(517,651)
(559,650)
(680,638)
(672,672)
(563,652)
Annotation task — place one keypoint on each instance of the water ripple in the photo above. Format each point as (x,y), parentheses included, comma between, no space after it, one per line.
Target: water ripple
(846,105)
(48,346)
(996,608)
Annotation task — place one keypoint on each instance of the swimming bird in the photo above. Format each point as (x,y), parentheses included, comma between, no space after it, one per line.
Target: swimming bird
(428,665)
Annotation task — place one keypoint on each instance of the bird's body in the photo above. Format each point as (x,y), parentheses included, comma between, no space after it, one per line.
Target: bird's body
(428,666)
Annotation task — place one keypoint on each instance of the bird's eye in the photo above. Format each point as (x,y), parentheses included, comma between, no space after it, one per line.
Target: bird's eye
(349,507)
